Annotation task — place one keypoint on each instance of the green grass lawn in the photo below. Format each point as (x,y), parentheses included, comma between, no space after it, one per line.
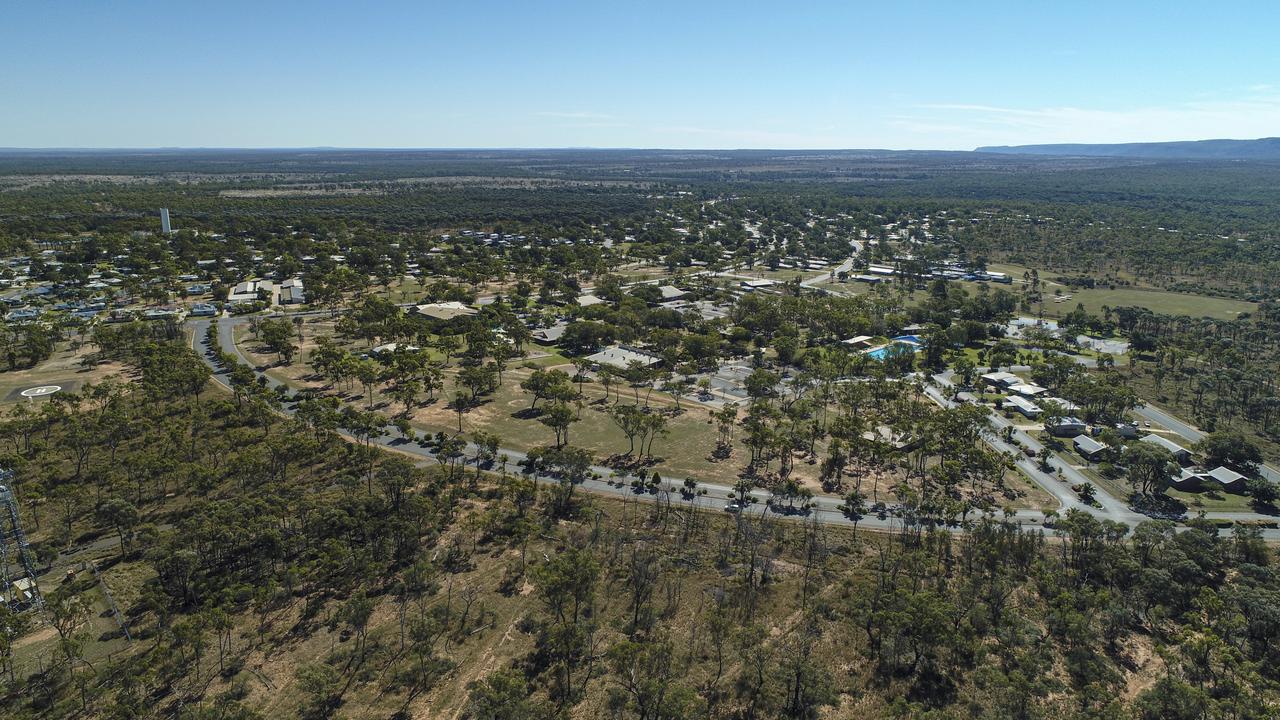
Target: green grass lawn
(848,288)
(1159,301)
(1195,501)
(1212,501)
(683,452)
(780,275)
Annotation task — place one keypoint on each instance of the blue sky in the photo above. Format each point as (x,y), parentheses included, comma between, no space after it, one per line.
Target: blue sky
(923,75)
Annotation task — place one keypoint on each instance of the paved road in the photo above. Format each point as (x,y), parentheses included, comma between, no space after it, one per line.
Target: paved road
(826,275)
(825,507)
(1191,434)
(1112,508)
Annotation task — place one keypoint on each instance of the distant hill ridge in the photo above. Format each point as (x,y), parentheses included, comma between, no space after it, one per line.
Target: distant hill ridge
(1260,149)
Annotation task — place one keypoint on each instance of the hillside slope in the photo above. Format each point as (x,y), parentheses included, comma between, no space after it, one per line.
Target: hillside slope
(1260,149)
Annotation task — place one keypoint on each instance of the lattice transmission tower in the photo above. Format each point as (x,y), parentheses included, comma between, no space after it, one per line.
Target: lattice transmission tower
(14,547)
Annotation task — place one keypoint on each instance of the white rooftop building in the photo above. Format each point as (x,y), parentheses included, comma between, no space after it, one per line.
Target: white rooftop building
(247,291)
(620,356)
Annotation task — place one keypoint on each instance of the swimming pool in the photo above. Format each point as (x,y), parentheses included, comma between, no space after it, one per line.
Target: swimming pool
(883,351)
(903,343)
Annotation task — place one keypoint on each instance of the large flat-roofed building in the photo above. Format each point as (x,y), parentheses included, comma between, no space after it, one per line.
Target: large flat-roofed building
(1024,406)
(445,311)
(621,356)
(1001,379)
(762,284)
(671,292)
(292,292)
(1027,389)
(247,291)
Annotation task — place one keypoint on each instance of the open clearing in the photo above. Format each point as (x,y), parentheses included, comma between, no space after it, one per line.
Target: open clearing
(62,369)
(1158,301)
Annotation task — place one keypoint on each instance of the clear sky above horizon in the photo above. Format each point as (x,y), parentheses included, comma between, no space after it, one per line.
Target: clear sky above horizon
(825,74)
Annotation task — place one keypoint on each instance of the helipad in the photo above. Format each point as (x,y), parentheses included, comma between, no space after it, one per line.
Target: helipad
(40,391)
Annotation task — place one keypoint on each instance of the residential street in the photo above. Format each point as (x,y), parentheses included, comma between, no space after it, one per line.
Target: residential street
(825,507)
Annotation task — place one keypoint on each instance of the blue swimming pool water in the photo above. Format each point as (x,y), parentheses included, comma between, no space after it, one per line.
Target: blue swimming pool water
(881,353)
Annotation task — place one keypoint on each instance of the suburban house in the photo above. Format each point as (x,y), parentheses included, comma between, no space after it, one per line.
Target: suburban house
(1066,427)
(161,313)
(1226,479)
(1128,431)
(1066,405)
(1088,448)
(550,335)
(1187,481)
(1179,453)
(1230,480)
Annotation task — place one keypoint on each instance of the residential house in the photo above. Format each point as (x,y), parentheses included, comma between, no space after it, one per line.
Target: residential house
(1066,427)
(550,335)
(1088,448)
(1179,453)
